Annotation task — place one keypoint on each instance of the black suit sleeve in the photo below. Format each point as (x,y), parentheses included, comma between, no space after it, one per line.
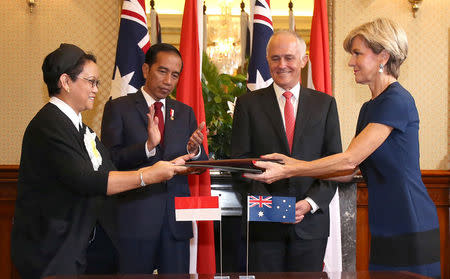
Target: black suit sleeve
(333,143)
(241,147)
(241,137)
(125,156)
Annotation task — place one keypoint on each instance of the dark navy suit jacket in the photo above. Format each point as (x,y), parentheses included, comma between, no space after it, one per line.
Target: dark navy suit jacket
(141,212)
(258,129)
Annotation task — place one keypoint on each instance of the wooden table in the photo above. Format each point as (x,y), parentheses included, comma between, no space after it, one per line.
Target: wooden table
(284,275)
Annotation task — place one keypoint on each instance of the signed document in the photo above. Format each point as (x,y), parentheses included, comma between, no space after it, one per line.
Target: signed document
(232,165)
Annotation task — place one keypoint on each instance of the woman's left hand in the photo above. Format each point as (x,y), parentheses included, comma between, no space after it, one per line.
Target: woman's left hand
(187,170)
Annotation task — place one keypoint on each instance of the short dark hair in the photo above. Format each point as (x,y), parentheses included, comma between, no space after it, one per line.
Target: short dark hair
(72,72)
(152,53)
(66,59)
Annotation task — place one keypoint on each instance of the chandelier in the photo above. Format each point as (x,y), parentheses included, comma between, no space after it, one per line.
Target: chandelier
(224,48)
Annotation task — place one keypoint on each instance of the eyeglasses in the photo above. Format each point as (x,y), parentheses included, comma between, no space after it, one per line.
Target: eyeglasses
(93,82)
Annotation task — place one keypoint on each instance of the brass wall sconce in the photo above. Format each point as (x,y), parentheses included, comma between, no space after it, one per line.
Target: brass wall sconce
(31,4)
(415,4)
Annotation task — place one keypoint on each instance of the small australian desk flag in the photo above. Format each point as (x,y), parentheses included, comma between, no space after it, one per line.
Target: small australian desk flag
(271,209)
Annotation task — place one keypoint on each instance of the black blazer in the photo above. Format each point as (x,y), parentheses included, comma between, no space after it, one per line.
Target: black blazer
(124,131)
(258,129)
(59,198)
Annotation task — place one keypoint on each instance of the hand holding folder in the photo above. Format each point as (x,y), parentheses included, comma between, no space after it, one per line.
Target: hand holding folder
(232,165)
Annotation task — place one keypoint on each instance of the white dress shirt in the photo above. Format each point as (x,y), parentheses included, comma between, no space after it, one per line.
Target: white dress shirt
(294,100)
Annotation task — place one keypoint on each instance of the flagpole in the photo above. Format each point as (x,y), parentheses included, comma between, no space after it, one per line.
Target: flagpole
(291,17)
(221,271)
(205,28)
(153,27)
(246,267)
(220,251)
(244,27)
(248,237)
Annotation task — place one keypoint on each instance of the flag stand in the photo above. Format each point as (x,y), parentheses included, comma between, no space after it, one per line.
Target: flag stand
(220,243)
(246,276)
(220,256)
(198,208)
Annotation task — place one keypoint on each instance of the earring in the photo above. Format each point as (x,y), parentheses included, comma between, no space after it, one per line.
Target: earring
(381,68)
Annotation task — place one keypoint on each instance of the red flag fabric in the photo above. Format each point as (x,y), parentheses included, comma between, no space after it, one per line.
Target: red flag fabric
(189,91)
(319,54)
(319,78)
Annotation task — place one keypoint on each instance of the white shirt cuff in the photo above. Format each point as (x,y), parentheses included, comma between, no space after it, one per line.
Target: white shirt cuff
(150,153)
(314,206)
(196,155)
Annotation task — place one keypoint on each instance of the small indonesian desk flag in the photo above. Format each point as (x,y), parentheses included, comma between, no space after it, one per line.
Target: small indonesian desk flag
(200,208)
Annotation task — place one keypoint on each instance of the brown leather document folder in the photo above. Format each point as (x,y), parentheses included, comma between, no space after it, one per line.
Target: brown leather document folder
(232,165)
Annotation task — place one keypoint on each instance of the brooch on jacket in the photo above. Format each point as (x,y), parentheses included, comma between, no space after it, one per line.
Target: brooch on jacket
(91,147)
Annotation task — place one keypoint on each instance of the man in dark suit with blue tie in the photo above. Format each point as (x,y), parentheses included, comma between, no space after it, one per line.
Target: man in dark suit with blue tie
(150,238)
(302,123)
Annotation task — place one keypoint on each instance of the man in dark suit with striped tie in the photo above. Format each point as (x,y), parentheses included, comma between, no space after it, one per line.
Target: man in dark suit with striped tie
(150,238)
(290,119)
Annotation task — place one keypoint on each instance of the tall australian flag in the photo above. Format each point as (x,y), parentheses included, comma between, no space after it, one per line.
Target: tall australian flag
(271,209)
(132,44)
(258,69)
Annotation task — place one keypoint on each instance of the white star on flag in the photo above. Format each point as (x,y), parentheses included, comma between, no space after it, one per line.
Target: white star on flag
(260,83)
(120,85)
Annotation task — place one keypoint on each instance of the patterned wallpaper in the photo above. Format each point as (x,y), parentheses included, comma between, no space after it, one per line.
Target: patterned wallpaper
(93,25)
(26,38)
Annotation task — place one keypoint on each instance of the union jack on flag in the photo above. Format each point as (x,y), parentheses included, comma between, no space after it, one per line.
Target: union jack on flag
(258,69)
(132,44)
(260,201)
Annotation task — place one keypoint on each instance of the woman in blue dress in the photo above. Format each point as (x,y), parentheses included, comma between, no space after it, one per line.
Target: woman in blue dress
(402,218)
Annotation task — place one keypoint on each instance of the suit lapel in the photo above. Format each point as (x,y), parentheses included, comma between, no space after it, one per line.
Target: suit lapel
(141,105)
(303,115)
(169,121)
(271,107)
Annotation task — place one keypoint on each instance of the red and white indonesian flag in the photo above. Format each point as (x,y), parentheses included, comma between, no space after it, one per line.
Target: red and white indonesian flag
(197,208)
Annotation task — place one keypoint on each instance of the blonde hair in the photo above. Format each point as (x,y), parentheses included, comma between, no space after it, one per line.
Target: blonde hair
(382,34)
